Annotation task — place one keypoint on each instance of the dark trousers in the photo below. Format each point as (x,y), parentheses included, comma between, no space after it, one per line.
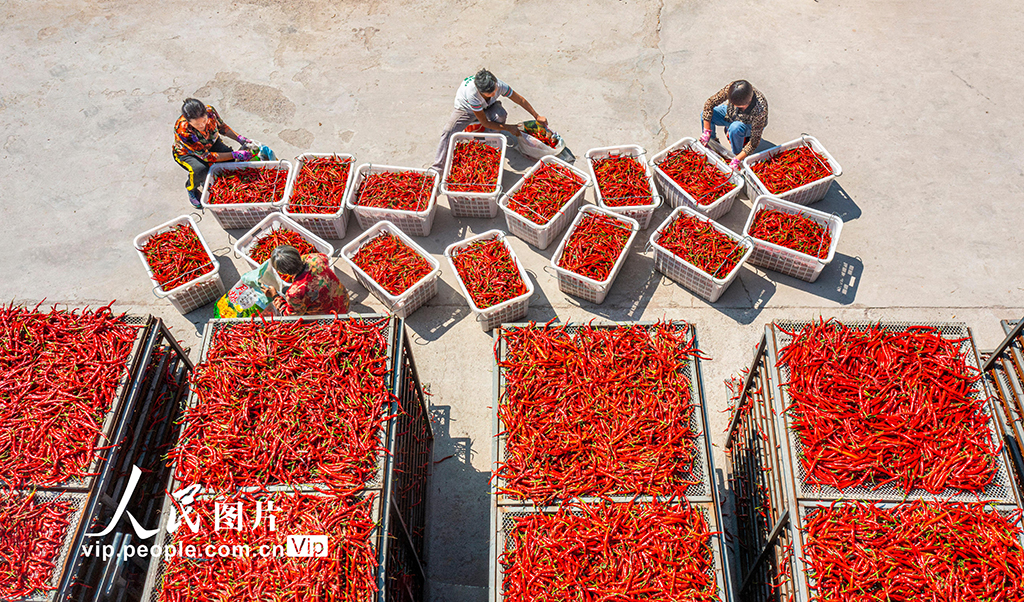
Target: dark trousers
(197,168)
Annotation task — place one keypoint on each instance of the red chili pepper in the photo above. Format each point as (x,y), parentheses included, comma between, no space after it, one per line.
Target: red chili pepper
(475,167)
(391,263)
(544,192)
(874,408)
(403,190)
(176,257)
(488,272)
(697,175)
(247,185)
(320,185)
(59,372)
(653,552)
(594,246)
(792,231)
(264,246)
(546,137)
(698,242)
(791,169)
(623,181)
(32,533)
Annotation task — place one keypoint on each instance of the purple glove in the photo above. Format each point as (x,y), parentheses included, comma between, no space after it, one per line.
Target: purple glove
(735,164)
(241,155)
(705,137)
(243,140)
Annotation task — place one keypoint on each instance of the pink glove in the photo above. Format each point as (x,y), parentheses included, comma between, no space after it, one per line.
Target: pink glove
(241,155)
(705,137)
(735,164)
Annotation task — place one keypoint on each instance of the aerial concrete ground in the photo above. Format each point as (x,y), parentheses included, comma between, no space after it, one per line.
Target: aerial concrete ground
(917,100)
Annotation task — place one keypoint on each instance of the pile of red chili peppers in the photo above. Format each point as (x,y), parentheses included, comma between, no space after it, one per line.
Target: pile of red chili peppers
(247,185)
(287,403)
(594,246)
(792,231)
(391,263)
(598,411)
(32,533)
(791,169)
(475,167)
(545,136)
(176,256)
(624,552)
(697,175)
(402,190)
(268,241)
(916,552)
(320,185)
(60,371)
(875,408)
(346,574)
(544,192)
(699,243)
(622,181)
(488,272)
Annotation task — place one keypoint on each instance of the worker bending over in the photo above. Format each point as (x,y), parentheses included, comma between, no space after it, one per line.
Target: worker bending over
(743,110)
(315,289)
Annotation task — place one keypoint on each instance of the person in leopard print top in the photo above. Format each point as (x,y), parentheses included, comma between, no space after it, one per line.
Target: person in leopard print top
(743,110)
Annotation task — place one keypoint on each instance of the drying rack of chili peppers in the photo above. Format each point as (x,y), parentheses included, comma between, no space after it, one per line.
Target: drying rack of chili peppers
(1004,371)
(374,375)
(777,464)
(601,454)
(239,195)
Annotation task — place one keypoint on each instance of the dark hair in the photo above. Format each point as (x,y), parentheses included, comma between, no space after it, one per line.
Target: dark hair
(286,260)
(485,81)
(740,92)
(193,108)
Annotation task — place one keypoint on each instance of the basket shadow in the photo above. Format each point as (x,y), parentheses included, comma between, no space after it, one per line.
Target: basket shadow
(438,314)
(838,281)
(458,522)
(518,162)
(631,292)
(838,202)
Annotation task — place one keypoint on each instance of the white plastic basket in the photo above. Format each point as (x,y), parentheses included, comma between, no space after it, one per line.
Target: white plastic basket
(541,235)
(195,293)
(803,195)
(580,286)
(506,311)
(474,204)
(639,211)
(780,259)
(242,215)
(414,296)
(678,197)
(276,221)
(413,223)
(324,225)
(685,273)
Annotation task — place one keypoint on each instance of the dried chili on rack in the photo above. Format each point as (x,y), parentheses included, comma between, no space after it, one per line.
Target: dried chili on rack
(176,257)
(402,190)
(489,273)
(697,175)
(545,192)
(791,169)
(793,231)
(622,181)
(247,185)
(596,411)
(592,553)
(475,167)
(32,533)
(391,263)
(594,245)
(874,408)
(699,243)
(320,185)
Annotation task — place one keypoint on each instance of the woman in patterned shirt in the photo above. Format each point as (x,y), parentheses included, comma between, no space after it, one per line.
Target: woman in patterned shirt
(315,289)
(743,111)
(197,143)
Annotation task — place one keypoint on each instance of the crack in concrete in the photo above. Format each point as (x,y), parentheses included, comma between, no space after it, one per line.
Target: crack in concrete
(671,98)
(966,83)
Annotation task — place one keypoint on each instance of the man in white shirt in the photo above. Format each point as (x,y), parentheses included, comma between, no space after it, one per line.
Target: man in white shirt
(477,101)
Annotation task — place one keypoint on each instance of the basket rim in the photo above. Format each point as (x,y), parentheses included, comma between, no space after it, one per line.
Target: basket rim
(294,176)
(351,249)
(587,209)
(833,222)
(742,240)
(712,157)
(489,235)
(245,242)
(236,165)
(807,139)
(369,169)
(158,289)
(507,196)
(484,137)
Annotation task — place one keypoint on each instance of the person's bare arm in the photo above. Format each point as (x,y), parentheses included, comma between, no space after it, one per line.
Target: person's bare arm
(494,125)
(517,98)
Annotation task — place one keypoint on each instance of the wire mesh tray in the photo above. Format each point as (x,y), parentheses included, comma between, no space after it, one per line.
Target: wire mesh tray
(61,562)
(503,520)
(699,492)
(1001,489)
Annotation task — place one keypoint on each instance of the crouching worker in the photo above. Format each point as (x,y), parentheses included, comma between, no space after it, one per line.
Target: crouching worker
(315,289)
(743,111)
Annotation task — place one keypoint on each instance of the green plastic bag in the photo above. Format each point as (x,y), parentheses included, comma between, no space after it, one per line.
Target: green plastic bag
(246,298)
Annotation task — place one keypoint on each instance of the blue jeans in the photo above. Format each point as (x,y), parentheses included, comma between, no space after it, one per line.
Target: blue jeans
(737,131)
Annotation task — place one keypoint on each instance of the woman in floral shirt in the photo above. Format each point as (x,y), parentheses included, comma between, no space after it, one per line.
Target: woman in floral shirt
(197,143)
(315,289)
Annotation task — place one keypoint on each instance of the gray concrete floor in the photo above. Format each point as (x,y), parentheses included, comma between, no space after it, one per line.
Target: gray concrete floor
(916,101)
